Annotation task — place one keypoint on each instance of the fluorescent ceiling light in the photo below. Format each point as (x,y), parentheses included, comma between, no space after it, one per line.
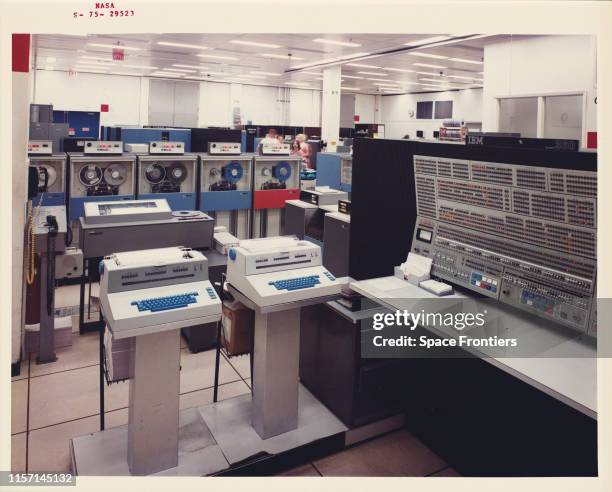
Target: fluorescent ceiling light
(381,74)
(125,73)
(183,45)
(87,65)
(349,88)
(166,74)
(461,77)
(271,74)
(183,70)
(346,76)
(280,57)
(479,80)
(88,69)
(385,85)
(361,65)
(114,46)
(433,39)
(254,43)
(391,69)
(428,65)
(144,67)
(337,43)
(104,63)
(221,74)
(198,67)
(218,57)
(88,57)
(432,80)
(428,55)
(379,80)
(431,73)
(465,60)
(250,76)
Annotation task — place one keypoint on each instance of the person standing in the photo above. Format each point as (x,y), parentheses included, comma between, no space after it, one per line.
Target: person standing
(300,147)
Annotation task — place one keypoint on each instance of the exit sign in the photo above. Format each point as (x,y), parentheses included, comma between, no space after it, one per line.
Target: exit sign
(117,54)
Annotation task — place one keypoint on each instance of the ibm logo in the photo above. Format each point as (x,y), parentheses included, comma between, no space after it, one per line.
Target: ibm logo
(474,140)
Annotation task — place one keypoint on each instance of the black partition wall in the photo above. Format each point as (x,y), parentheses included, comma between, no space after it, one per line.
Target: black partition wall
(383,208)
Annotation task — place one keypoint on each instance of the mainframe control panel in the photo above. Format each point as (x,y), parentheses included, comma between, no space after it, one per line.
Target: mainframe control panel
(524,235)
(166,148)
(103,147)
(224,148)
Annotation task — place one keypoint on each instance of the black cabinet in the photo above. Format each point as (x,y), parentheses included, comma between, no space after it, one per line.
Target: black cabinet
(358,391)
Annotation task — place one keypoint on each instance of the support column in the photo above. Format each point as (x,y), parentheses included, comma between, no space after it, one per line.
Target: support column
(276,372)
(541,117)
(20,99)
(330,107)
(154,403)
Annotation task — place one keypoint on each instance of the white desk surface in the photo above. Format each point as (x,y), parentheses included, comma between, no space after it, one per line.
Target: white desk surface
(571,379)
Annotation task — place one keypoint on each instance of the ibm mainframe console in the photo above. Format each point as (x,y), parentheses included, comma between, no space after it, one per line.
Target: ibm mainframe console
(524,235)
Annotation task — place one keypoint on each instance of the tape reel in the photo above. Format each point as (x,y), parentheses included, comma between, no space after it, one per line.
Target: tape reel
(90,175)
(187,214)
(233,172)
(155,173)
(115,174)
(282,171)
(51,176)
(177,173)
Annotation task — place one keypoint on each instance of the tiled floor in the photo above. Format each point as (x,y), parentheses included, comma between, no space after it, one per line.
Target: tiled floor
(53,402)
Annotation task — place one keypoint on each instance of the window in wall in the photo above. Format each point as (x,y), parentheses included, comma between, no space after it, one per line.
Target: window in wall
(443,110)
(424,110)
(519,115)
(563,117)
(173,103)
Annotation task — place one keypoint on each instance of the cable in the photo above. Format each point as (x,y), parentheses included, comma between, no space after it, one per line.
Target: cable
(32,217)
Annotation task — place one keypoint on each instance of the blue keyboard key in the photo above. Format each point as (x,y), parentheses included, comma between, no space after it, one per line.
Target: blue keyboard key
(296,283)
(164,303)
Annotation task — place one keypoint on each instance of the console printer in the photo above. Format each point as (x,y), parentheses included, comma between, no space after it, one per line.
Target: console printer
(278,270)
(154,290)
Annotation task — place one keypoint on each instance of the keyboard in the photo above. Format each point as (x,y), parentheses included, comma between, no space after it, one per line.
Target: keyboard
(296,283)
(156,304)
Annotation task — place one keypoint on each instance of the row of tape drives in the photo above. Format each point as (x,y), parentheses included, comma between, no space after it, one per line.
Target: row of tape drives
(524,235)
(222,182)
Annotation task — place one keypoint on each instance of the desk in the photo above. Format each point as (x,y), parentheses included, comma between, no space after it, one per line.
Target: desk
(571,380)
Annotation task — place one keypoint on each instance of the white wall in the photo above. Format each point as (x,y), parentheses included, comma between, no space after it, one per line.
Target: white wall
(539,65)
(365,108)
(215,104)
(86,92)
(467,105)
(304,108)
(128,100)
